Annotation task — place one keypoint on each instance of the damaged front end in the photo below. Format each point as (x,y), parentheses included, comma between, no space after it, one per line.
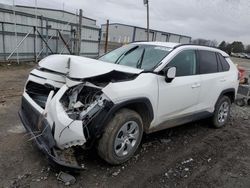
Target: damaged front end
(59,119)
(63,110)
(78,106)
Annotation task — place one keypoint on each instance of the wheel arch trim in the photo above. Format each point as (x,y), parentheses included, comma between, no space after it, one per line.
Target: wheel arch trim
(101,121)
(224,92)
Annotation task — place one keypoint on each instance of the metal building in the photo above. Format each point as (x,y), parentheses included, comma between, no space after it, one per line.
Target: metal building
(122,33)
(31,28)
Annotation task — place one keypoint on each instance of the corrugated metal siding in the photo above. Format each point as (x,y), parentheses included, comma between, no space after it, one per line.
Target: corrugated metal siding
(25,20)
(60,15)
(174,38)
(89,47)
(158,36)
(185,40)
(90,34)
(161,37)
(141,35)
(1,47)
(118,33)
(122,33)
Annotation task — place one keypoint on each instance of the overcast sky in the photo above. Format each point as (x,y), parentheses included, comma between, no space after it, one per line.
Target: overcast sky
(210,19)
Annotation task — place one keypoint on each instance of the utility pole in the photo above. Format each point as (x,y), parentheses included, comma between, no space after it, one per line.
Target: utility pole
(147,4)
(14,14)
(106,39)
(47,35)
(79,33)
(35,35)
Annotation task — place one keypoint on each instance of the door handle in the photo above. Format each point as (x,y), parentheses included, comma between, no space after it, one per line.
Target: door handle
(196,85)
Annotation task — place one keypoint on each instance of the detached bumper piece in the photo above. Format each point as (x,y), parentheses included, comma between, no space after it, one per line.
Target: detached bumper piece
(40,131)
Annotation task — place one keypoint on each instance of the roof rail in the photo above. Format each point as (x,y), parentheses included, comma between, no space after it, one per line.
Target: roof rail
(193,45)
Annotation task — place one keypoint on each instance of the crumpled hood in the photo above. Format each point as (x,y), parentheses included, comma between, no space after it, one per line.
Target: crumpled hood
(82,67)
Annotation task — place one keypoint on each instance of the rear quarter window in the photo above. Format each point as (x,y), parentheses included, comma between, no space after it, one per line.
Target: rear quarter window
(224,63)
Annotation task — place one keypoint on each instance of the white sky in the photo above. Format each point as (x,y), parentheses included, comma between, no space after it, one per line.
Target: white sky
(210,19)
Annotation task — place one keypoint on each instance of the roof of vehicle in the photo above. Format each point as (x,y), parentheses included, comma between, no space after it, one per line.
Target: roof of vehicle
(177,45)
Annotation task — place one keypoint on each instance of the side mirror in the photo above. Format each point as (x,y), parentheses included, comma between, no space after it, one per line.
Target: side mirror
(170,74)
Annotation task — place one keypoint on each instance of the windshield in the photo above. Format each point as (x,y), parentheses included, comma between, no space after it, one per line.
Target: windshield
(140,56)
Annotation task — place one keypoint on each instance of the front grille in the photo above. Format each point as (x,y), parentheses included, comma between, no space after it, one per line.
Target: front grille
(38,92)
(37,124)
(30,114)
(37,89)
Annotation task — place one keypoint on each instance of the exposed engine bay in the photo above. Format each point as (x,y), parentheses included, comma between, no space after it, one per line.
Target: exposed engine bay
(83,102)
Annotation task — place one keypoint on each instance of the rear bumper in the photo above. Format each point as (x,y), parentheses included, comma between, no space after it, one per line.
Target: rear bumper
(39,129)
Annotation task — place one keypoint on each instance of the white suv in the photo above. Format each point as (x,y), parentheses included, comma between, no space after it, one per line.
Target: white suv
(71,102)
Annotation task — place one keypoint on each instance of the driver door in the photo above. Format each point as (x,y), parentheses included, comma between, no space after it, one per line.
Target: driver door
(179,98)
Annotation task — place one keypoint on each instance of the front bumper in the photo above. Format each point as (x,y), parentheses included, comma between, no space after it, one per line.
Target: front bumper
(40,130)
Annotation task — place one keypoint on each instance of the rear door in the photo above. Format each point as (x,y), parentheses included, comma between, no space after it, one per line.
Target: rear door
(213,79)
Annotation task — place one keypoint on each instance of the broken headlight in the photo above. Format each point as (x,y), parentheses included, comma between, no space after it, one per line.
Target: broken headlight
(83,102)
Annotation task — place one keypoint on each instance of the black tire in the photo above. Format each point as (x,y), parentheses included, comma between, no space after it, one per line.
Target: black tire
(215,119)
(240,102)
(248,102)
(106,144)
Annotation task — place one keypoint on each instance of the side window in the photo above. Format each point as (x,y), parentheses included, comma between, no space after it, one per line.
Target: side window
(220,69)
(208,62)
(185,63)
(224,63)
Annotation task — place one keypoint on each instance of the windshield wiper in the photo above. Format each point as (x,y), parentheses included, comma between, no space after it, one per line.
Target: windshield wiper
(139,63)
(125,53)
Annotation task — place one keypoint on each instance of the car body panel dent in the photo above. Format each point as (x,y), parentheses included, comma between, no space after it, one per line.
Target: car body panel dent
(81,67)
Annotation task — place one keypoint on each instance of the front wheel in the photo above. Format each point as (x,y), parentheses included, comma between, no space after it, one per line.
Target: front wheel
(121,137)
(222,112)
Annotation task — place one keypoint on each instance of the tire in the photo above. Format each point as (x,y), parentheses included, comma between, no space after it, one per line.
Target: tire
(240,102)
(221,112)
(248,102)
(117,145)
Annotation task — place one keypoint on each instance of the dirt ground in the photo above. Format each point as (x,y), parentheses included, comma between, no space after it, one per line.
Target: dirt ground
(192,155)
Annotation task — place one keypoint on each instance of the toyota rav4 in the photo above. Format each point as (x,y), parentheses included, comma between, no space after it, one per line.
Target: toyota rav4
(72,102)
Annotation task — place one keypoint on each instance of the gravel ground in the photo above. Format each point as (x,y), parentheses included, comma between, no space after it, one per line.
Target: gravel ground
(192,155)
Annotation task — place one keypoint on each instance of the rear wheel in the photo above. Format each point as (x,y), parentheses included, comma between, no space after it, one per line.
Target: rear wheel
(121,137)
(222,112)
